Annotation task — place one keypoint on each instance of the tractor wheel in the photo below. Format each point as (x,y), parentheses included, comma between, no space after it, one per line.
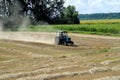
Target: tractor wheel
(57,40)
(71,43)
(65,43)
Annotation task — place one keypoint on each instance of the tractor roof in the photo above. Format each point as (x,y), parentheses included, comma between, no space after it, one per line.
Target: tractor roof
(62,31)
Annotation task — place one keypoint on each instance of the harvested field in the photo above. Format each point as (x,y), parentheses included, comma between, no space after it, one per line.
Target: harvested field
(34,56)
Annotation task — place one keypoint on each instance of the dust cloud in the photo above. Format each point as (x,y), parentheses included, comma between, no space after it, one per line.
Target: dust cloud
(25,23)
(20,23)
(1,25)
(23,35)
(39,37)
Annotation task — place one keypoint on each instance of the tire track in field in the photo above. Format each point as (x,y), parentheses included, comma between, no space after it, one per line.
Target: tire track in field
(31,73)
(31,54)
(93,70)
(95,36)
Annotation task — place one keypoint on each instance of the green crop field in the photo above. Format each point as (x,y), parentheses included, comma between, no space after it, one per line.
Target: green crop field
(101,27)
(104,21)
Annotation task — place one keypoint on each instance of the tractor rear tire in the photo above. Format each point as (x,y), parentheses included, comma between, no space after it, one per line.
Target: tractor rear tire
(71,43)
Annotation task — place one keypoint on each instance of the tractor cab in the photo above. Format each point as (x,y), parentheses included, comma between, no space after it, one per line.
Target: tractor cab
(62,33)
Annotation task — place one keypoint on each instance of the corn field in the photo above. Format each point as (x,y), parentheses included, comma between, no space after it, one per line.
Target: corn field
(101,27)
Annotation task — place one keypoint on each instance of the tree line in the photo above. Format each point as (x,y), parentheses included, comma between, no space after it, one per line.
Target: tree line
(99,16)
(12,12)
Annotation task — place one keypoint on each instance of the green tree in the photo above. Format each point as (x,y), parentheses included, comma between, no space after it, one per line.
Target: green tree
(71,15)
(43,10)
(51,11)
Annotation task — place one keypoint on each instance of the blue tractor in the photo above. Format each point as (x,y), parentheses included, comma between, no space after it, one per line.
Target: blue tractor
(63,39)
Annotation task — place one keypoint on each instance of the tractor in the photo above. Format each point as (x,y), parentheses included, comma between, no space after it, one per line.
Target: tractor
(63,39)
